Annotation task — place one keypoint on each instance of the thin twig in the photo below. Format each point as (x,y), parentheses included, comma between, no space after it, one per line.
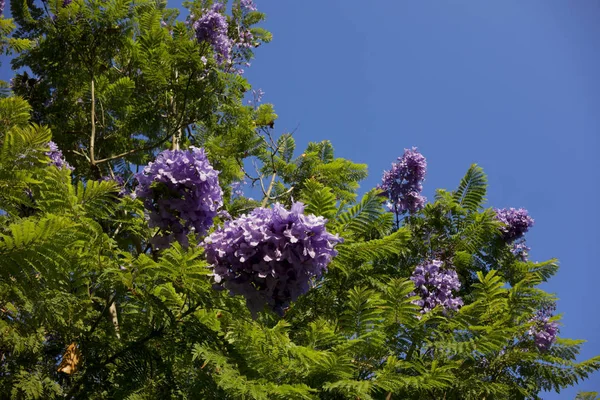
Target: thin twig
(282,194)
(149,147)
(80,154)
(253,179)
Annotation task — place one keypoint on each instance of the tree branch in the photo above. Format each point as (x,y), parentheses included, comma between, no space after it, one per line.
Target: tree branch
(160,142)
(149,147)
(268,193)
(93,137)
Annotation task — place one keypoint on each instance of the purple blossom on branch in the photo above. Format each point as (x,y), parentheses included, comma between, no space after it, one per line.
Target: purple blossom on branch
(181,193)
(404,182)
(245,39)
(2,4)
(435,285)
(257,96)
(516,222)
(544,331)
(248,5)
(520,250)
(212,27)
(271,255)
(56,157)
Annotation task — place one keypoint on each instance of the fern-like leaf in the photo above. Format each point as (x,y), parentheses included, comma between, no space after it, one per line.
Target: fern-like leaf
(472,189)
(319,199)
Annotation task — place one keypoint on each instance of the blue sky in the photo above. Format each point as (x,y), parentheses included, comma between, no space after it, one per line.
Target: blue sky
(511,85)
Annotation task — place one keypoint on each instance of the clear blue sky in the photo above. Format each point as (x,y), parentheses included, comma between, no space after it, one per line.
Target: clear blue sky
(509,84)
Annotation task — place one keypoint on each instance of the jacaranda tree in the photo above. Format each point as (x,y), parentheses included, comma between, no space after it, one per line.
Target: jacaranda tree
(132,265)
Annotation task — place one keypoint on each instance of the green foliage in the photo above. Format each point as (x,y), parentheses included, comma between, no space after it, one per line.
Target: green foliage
(116,85)
(587,396)
(90,308)
(319,199)
(358,219)
(318,162)
(471,191)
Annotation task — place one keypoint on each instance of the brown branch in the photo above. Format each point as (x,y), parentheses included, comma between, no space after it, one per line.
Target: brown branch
(80,154)
(241,165)
(149,147)
(112,310)
(178,132)
(282,194)
(268,193)
(93,137)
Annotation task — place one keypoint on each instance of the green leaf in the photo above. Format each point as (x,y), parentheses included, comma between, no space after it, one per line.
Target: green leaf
(319,200)
(472,189)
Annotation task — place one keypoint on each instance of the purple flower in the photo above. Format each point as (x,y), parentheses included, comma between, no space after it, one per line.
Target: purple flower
(389,206)
(245,39)
(271,255)
(181,192)
(248,5)
(520,250)
(544,331)
(2,4)
(66,2)
(257,96)
(516,222)
(404,182)
(237,188)
(56,157)
(435,286)
(211,27)
(224,214)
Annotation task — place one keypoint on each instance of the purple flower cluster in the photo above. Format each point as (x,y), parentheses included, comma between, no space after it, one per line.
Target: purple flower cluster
(211,27)
(435,286)
(2,4)
(516,222)
(66,2)
(181,192)
(543,330)
(248,5)
(520,250)
(257,96)
(404,182)
(245,39)
(56,157)
(270,255)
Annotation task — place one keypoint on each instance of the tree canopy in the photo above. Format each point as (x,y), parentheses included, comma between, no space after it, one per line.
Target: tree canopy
(133,265)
